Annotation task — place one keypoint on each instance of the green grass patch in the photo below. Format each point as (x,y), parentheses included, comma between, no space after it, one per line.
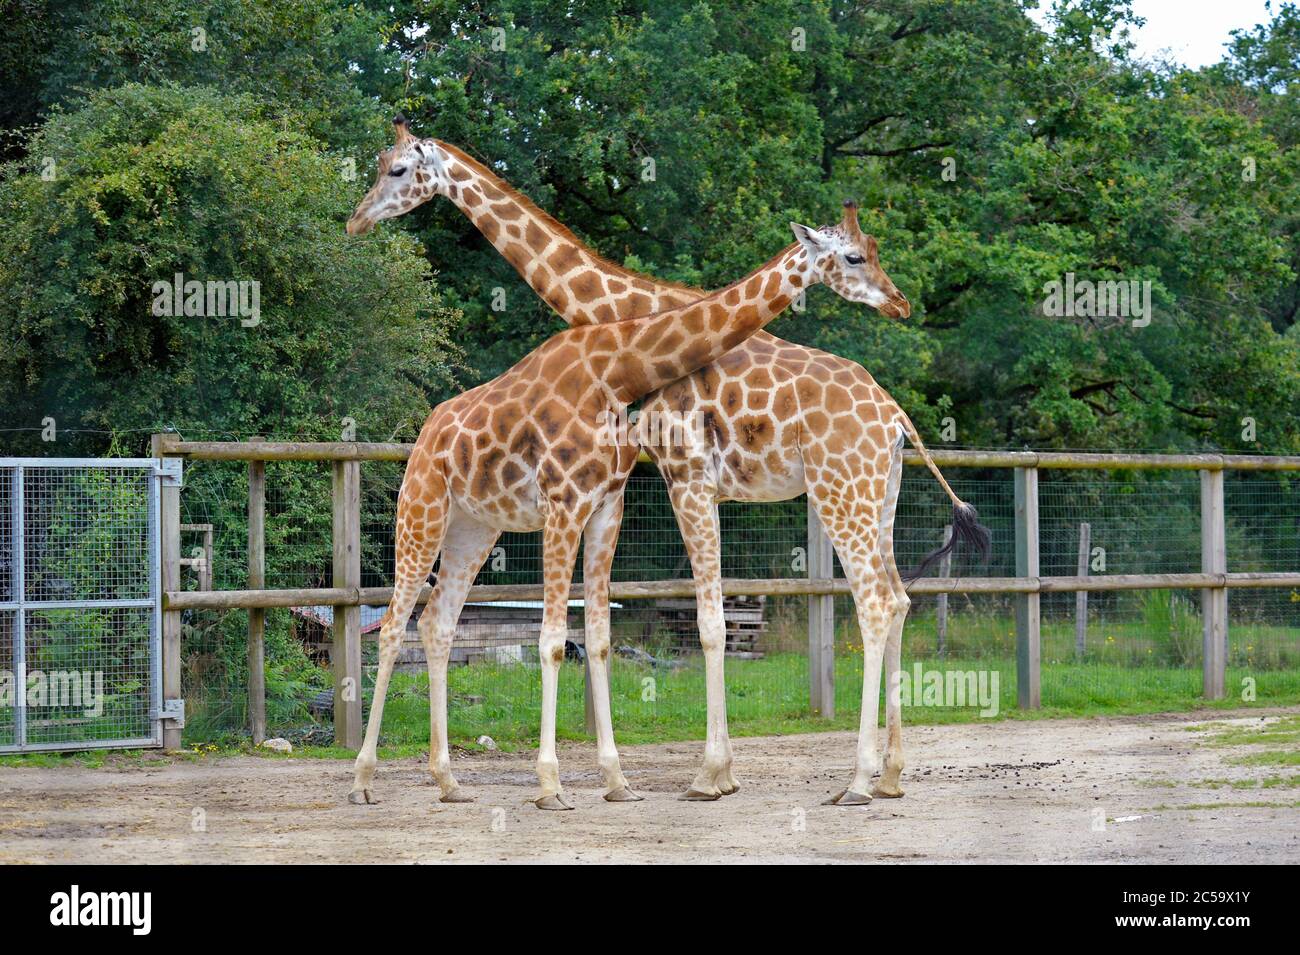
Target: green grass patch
(1283,731)
(1254,804)
(764,697)
(1273,757)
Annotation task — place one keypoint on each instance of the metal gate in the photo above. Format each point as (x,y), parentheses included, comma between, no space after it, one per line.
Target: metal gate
(80,612)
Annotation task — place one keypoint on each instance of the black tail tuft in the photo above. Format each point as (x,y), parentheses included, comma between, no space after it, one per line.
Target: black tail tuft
(966,529)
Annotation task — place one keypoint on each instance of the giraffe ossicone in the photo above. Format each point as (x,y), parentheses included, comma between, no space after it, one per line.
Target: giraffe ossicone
(778,419)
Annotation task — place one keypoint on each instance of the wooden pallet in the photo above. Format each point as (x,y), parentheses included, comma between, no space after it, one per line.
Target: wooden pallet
(744,617)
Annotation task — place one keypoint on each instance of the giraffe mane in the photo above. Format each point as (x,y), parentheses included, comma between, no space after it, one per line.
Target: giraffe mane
(560,228)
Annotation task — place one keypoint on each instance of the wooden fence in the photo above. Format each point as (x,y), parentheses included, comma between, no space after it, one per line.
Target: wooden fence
(820,587)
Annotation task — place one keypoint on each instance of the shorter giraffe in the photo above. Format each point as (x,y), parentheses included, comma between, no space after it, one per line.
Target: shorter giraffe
(532,450)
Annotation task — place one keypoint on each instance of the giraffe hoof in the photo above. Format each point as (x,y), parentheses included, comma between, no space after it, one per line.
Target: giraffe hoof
(848,797)
(729,788)
(456,795)
(699,795)
(887,792)
(362,797)
(555,802)
(622,794)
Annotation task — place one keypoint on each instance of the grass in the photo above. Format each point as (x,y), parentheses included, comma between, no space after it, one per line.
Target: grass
(1254,804)
(1285,730)
(1126,671)
(770,696)
(1247,749)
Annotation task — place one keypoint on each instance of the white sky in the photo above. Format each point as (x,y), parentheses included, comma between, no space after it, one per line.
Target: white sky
(1190,31)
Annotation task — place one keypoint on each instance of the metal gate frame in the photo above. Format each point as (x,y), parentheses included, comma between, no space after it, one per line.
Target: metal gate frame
(19,605)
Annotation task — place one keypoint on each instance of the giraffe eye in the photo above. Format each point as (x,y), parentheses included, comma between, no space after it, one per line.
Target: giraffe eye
(854,259)
(397,171)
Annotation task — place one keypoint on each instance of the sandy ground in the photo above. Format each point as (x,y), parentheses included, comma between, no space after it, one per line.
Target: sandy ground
(991,792)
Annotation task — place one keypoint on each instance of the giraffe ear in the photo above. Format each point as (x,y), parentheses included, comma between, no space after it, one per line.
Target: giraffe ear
(814,242)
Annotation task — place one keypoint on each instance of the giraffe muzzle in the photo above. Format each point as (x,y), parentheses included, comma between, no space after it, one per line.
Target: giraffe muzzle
(897,307)
(359,225)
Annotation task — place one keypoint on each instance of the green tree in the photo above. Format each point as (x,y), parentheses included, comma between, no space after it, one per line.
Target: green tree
(148,182)
(301,58)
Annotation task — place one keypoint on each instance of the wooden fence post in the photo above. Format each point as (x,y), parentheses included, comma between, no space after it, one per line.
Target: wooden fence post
(1214,600)
(1028,617)
(941,601)
(346,654)
(169,579)
(206,578)
(821,622)
(257,616)
(1081,598)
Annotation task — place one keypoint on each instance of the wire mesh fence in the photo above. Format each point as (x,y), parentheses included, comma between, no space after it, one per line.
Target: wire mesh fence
(78,595)
(1121,648)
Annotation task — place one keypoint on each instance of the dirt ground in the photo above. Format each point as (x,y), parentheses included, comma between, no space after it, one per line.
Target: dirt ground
(1125,789)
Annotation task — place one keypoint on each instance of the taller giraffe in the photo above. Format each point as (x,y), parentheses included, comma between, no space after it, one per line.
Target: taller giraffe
(782,419)
(532,450)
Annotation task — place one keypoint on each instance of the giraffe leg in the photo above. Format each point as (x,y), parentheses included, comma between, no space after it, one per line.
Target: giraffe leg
(600,542)
(888,784)
(559,549)
(465,547)
(416,546)
(852,521)
(697,518)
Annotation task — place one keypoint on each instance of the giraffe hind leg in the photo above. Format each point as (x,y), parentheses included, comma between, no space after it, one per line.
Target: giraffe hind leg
(887,786)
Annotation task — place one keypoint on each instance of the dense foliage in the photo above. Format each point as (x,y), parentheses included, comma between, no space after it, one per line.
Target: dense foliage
(679,137)
(149,181)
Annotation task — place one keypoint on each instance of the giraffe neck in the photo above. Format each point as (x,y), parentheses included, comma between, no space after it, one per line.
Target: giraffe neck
(580,286)
(676,343)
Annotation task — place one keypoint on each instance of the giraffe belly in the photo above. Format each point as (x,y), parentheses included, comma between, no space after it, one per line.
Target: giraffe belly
(776,476)
(516,512)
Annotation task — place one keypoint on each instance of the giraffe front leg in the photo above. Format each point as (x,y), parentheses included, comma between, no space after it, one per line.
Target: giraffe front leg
(466,546)
(551,653)
(559,549)
(416,547)
(600,542)
(697,518)
(367,760)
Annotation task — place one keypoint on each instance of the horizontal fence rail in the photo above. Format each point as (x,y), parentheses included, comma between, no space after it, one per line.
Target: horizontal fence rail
(731,587)
(1065,460)
(819,585)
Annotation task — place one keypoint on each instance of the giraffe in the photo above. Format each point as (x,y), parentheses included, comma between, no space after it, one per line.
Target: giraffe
(532,450)
(782,419)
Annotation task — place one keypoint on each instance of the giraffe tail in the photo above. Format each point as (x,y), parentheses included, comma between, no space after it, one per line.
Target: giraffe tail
(966,528)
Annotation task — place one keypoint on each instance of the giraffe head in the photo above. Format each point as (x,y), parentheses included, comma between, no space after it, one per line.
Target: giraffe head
(847,259)
(410,173)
